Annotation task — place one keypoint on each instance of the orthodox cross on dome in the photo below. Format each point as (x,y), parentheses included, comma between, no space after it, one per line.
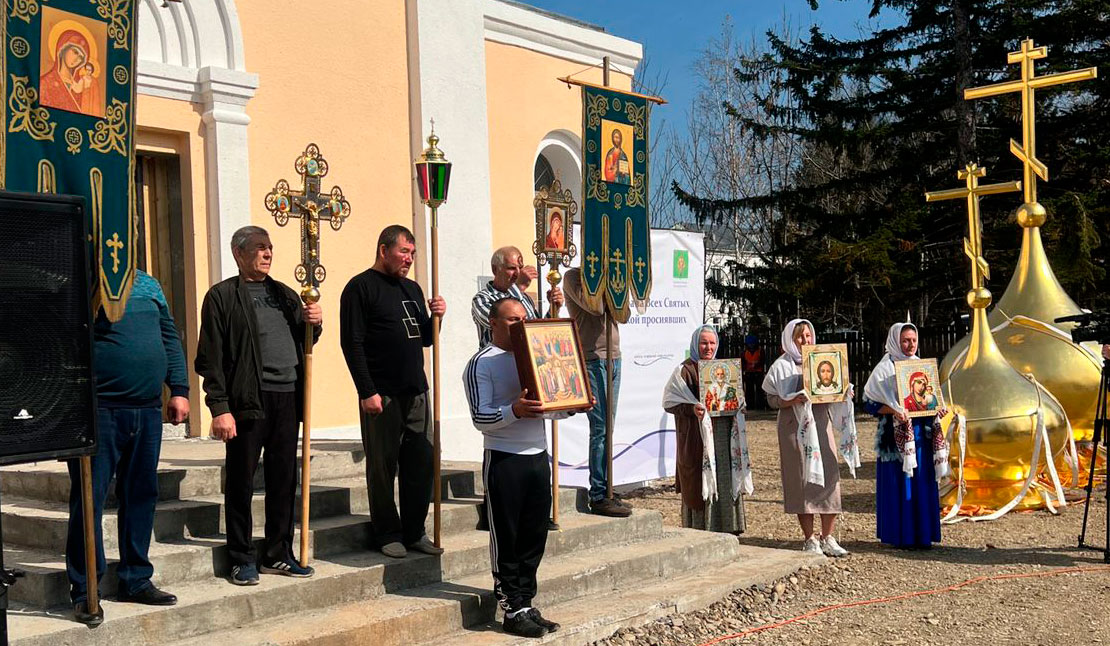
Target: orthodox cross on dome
(1027,150)
(310,206)
(973,243)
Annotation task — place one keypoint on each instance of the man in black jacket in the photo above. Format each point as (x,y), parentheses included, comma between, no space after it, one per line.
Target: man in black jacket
(384,328)
(251,355)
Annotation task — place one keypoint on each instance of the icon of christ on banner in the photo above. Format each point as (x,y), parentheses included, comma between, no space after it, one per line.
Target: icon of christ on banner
(617,164)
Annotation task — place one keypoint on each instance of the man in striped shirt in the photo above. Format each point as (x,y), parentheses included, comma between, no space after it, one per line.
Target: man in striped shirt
(510,278)
(516,471)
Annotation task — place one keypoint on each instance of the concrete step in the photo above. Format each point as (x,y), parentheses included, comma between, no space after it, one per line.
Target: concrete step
(588,619)
(191,559)
(434,612)
(44,524)
(193,468)
(589,546)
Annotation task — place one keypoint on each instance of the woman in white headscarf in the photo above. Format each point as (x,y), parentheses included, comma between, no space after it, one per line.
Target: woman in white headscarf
(801,495)
(907,502)
(709,481)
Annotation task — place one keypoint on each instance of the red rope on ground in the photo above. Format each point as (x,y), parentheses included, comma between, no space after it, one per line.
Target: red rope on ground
(908,595)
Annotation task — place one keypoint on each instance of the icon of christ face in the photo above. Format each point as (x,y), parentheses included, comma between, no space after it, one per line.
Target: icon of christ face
(825,373)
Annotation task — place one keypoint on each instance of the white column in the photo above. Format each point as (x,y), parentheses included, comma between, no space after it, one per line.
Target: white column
(224,94)
(448,84)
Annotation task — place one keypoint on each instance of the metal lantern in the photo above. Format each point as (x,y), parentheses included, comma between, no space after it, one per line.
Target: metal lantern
(433,173)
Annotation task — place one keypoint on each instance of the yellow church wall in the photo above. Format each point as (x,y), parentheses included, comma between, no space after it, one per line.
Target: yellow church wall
(523,109)
(346,89)
(310,91)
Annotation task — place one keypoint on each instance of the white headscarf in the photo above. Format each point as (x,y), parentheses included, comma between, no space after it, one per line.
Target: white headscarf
(784,380)
(695,353)
(790,348)
(881,387)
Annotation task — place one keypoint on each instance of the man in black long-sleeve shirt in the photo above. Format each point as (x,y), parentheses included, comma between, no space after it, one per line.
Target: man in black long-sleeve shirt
(384,328)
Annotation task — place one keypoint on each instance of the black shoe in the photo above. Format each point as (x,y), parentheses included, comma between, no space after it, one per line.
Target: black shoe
(287,567)
(150,596)
(523,625)
(483,522)
(552,526)
(81,614)
(550,626)
(609,507)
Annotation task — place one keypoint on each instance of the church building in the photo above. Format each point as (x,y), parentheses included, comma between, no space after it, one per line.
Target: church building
(230,93)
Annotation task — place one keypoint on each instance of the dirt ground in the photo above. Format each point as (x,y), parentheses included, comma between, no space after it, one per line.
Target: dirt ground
(1054,605)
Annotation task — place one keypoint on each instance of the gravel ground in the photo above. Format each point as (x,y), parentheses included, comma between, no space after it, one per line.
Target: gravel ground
(1054,607)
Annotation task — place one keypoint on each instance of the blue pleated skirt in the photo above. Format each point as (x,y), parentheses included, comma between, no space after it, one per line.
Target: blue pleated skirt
(907,509)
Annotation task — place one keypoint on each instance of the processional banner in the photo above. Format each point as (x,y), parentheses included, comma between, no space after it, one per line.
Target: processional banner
(616,230)
(68,79)
(652,345)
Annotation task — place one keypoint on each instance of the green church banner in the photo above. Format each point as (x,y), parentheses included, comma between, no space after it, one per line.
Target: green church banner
(616,229)
(68,81)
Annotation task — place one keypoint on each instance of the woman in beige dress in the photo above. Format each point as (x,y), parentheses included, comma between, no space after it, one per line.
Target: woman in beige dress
(783,386)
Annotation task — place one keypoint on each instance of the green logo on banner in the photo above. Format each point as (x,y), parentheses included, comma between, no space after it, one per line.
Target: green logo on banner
(681,264)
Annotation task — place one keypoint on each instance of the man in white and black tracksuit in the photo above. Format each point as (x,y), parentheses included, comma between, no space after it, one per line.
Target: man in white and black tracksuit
(515,470)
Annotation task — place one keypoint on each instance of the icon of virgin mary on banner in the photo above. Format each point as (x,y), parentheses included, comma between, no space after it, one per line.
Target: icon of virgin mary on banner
(616,230)
(68,115)
(74,79)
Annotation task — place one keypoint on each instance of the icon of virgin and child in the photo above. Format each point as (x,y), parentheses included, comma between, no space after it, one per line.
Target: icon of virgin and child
(921,397)
(72,77)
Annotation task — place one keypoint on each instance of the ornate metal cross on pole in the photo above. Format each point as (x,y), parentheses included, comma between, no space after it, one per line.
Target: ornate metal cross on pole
(310,206)
(1027,150)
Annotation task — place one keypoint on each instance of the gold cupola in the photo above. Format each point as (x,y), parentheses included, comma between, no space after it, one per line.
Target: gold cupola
(1002,408)
(1023,320)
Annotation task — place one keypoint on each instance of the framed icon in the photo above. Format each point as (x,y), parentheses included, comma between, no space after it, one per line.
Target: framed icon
(720,386)
(555,212)
(825,372)
(550,363)
(919,387)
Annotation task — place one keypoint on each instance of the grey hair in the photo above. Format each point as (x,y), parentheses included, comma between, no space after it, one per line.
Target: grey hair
(242,235)
(502,255)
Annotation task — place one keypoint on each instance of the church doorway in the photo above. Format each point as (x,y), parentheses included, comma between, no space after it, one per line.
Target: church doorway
(161,240)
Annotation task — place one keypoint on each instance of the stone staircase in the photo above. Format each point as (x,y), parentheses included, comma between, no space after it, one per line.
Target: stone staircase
(598,574)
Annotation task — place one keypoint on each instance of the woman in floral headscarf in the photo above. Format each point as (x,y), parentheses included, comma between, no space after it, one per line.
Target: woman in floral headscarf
(808,452)
(910,453)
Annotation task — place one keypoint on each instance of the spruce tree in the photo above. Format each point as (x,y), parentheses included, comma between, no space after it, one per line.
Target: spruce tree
(880,120)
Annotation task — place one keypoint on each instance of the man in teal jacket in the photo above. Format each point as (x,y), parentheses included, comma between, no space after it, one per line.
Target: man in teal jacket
(133,358)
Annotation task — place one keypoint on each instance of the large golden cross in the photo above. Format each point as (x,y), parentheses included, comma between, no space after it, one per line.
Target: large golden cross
(973,244)
(1027,150)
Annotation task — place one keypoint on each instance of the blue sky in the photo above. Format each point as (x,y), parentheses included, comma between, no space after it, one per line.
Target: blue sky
(674,32)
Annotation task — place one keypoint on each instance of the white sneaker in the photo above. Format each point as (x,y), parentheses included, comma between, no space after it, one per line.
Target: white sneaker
(831,548)
(812,545)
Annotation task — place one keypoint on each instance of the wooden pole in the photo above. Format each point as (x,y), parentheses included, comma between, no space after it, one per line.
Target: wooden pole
(608,359)
(306,442)
(553,281)
(437,486)
(91,574)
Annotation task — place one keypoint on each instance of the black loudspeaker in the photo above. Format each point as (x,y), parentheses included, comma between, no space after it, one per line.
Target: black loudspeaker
(47,386)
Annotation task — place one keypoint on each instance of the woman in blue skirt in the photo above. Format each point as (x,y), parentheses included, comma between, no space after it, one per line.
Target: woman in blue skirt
(907,503)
